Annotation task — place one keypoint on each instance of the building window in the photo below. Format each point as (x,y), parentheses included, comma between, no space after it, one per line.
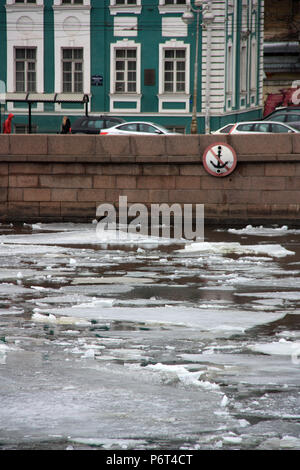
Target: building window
(229,67)
(72,69)
(125,2)
(175,2)
(174,71)
(173,6)
(125,6)
(125,70)
(25,69)
(243,70)
(72,2)
(253,72)
(25,1)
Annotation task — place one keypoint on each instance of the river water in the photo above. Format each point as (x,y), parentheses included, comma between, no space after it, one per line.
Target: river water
(141,343)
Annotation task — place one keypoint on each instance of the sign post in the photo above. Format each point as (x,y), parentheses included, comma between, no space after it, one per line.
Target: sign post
(2,101)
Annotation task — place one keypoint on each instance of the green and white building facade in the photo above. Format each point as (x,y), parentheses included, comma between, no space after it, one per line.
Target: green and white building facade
(132,58)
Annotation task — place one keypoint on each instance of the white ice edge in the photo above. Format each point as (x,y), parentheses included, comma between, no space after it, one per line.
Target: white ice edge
(274,250)
(281,348)
(264,231)
(205,320)
(88,237)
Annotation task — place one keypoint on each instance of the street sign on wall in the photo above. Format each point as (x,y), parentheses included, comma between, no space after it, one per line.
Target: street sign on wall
(219,159)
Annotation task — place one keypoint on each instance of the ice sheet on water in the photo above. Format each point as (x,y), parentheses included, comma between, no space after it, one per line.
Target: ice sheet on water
(281,347)
(11,311)
(180,373)
(110,443)
(273,250)
(207,320)
(112,280)
(96,289)
(246,367)
(89,236)
(264,231)
(62,227)
(17,274)
(286,442)
(52,319)
(27,248)
(271,295)
(7,289)
(75,299)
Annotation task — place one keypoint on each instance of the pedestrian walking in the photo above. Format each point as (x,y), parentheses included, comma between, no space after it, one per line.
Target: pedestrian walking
(66,125)
(7,124)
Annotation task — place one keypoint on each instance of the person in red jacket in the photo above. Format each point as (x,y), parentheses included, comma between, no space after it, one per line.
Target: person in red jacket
(7,124)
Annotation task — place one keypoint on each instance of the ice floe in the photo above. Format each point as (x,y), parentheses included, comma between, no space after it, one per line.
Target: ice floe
(179,373)
(122,444)
(273,250)
(281,347)
(207,320)
(264,231)
(88,237)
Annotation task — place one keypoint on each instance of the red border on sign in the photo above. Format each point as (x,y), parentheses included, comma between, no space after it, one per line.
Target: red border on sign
(230,170)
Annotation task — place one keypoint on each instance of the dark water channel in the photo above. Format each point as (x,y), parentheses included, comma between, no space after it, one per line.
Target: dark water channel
(145,344)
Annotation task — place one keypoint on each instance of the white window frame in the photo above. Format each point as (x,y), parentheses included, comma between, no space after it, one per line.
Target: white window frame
(126,70)
(253,71)
(26,61)
(125,3)
(58,3)
(25,2)
(76,38)
(71,2)
(229,70)
(38,3)
(163,8)
(174,82)
(19,35)
(243,67)
(125,97)
(178,97)
(73,69)
(115,9)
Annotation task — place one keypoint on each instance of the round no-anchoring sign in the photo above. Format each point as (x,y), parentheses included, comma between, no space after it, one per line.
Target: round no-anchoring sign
(219,159)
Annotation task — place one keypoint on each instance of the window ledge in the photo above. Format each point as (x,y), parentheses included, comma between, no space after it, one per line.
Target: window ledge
(172,96)
(23,7)
(71,7)
(115,9)
(172,8)
(127,96)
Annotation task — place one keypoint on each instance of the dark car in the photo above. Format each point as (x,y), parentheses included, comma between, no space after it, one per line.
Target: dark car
(289,115)
(94,124)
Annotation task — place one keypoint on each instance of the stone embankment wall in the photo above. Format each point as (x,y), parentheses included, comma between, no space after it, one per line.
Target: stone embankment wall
(65,178)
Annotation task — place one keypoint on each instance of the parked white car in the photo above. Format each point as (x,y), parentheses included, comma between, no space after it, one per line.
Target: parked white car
(137,128)
(256,127)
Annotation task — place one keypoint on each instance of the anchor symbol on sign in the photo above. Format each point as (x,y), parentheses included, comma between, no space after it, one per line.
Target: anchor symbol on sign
(220,164)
